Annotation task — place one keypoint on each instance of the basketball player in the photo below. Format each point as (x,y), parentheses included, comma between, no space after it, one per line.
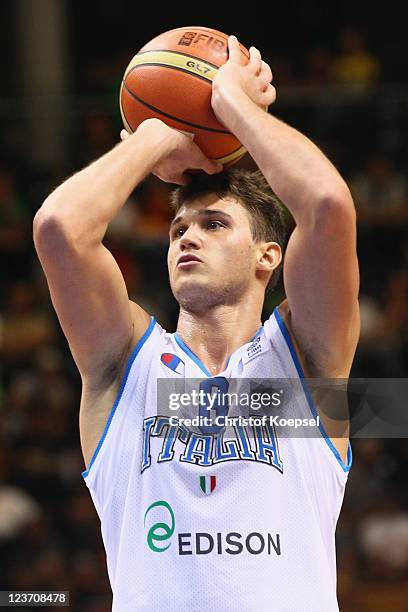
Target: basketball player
(191,520)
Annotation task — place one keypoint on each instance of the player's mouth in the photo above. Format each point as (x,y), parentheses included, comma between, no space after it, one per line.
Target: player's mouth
(188,261)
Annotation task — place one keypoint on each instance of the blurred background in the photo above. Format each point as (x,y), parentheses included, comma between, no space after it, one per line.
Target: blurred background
(341,74)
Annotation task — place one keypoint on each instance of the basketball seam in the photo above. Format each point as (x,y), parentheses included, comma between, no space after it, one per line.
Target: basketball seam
(230,157)
(122,112)
(199,76)
(201,59)
(234,151)
(157,110)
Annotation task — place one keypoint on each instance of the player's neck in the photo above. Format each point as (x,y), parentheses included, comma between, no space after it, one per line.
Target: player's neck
(214,335)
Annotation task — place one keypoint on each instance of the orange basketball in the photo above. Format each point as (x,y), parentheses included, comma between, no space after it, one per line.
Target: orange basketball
(170,78)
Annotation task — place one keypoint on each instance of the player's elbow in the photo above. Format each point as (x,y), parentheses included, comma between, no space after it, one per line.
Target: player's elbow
(336,209)
(45,223)
(48,226)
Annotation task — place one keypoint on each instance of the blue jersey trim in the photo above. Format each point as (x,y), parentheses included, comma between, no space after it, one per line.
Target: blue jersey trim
(194,357)
(190,353)
(345,466)
(131,359)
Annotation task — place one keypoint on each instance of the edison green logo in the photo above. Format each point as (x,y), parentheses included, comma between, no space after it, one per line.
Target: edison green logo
(160,532)
(202,542)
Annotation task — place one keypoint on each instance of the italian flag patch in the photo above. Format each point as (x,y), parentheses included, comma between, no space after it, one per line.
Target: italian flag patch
(207,484)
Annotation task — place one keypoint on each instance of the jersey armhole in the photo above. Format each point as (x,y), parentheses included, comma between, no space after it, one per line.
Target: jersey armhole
(129,364)
(285,333)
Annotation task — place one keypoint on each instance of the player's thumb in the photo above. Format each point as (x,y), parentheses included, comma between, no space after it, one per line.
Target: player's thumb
(124,135)
(212,167)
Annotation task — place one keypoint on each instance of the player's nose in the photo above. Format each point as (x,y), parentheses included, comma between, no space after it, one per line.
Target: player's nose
(190,239)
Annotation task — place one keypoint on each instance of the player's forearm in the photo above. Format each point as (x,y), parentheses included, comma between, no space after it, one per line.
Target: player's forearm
(86,202)
(299,173)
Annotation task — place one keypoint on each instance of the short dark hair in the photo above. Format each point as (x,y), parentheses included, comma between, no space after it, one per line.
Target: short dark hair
(251,189)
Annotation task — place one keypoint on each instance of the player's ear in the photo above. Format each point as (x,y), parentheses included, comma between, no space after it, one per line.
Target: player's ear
(269,256)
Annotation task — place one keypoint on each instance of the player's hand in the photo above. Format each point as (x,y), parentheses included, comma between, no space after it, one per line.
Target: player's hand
(237,80)
(180,153)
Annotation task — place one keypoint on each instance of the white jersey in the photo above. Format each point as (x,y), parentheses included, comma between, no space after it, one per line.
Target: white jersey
(195,520)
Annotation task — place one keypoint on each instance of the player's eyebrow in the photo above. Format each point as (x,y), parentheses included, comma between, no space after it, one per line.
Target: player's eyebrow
(206,212)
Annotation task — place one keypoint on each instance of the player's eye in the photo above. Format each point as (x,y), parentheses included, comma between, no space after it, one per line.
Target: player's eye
(214,225)
(179,231)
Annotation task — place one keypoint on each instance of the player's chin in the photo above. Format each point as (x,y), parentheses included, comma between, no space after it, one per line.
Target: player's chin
(192,293)
(184,285)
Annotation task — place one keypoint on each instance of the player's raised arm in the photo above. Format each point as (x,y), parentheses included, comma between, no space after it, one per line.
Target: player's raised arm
(320,270)
(86,285)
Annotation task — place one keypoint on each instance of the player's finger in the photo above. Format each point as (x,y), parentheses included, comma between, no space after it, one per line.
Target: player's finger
(234,50)
(124,135)
(266,72)
(201,162)
(180,179)
(211,166)
(264,84)
(175,179)
(255,60)
(269,95)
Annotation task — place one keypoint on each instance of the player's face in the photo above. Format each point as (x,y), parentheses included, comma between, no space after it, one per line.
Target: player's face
(211,256)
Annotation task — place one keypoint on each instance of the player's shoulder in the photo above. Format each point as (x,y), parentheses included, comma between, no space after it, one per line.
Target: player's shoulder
(114,366)
(145,328)
(280,316)
(284,310)
(146,332)
(140,319)
(303,353)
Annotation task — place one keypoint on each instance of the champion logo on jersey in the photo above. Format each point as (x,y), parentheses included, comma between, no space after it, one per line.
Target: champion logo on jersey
(173,362)
(207,484)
